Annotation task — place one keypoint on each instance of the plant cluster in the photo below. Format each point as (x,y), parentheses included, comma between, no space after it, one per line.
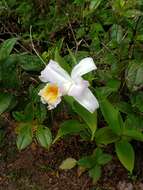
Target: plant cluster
(66,31)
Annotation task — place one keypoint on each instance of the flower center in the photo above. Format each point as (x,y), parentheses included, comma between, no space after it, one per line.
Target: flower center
(50,93)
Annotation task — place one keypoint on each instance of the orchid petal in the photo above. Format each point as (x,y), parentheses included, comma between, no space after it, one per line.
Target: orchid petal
(87,100)
(84,66)
(78,89)
(54,73)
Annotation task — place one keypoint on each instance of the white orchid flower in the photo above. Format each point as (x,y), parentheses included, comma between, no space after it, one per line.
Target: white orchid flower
(60,83)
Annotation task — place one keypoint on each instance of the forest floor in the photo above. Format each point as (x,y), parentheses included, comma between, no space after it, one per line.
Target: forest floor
(38,169)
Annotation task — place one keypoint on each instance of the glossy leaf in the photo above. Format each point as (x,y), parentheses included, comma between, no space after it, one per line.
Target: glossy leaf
(134,75)
(68,164)
(68,128)
(6,48)
(24,137)
(95,173)
(30,62)
(87,162)
(133,134)
(104,159)
(112,116)
(105,136)
(44,136)
(89,118)
(125,153)
(5,101)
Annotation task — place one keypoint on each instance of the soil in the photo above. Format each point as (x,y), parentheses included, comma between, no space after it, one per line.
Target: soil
(38,169)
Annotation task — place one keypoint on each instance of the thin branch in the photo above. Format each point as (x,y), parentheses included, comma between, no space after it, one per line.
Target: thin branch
(76,42)
(34,47)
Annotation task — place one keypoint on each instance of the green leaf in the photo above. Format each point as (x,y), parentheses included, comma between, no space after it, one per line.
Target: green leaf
(125,153)
(89,118)
(73,58)
(134,134)
(137,100)
(87,161)
(9,73)
(61,61)
(5,101)
(33,92)
(105,136)
(25,116)
(134,75)
(94,4)
(30,62)
(68,164)
(124,107)
(97,153)
(6,48)
(44,136)
(29,112)
(95,173)
(116,33)
(132,13)
(112,116)
(24,137)
(68,128)
(40,112)
(104,159)
(134,121)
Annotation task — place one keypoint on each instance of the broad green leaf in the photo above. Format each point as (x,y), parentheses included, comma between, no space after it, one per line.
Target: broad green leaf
(6,48)
(44,136)
(61,61)
(24,137)
(30,62)
(105,136)
(95,173)
(134,121)
(94,4)
(68,164)
(104,159)
(40,112)
(29,112)
(132,13)
(124,107)
(116,33)
(25,116)
(33,93)
(137,100)
(134,75)
(5,101)
(133,134)
(9,73)
(125,153)
(69,100)
(19,116)
(73,58)
(87,161)
(89,118)
(68,128)
(97,153)
(112,116)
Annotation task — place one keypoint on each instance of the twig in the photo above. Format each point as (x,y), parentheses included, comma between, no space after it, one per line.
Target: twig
(34,47)
(76,42)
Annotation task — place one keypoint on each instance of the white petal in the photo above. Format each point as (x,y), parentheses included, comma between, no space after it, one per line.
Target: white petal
(54,73)
(87,100)
(78,88)
(52,106)
(84,66)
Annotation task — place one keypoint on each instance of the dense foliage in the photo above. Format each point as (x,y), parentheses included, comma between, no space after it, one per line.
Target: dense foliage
(33,32)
